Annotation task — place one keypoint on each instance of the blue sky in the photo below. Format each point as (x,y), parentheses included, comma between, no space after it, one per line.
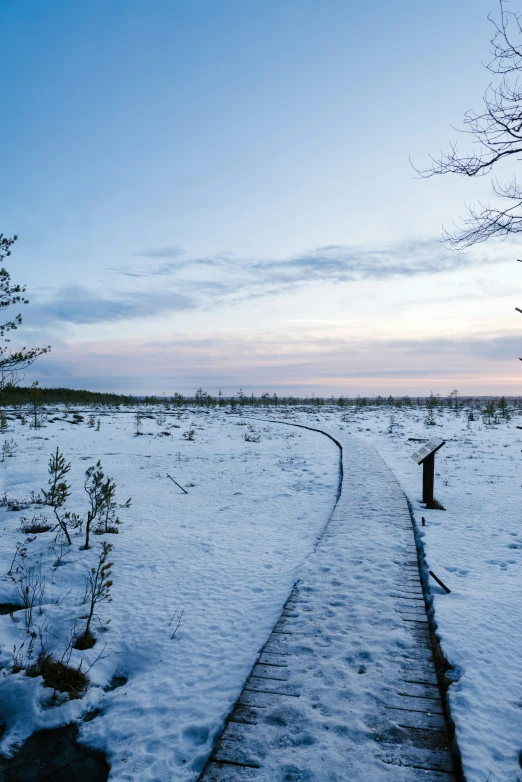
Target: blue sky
(220,194)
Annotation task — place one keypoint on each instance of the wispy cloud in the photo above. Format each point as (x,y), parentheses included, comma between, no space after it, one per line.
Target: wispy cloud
(163,252)
(77,304)
(204,282)
(336,263)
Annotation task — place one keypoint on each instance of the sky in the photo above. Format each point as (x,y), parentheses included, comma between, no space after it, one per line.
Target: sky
(220,194)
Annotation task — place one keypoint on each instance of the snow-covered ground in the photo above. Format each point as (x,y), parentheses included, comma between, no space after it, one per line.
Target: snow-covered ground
(227,554)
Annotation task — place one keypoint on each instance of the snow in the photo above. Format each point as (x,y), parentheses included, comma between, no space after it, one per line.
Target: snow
(225,554)
(228,560)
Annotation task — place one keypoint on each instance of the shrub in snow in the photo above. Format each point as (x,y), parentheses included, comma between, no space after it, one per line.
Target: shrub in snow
(108,521)
(490,413)
(30,588)
(430,419)
(35,525)
(58,675)
(189,434)
(98,584)
(100,491)
(102,506)
(9,449)
(504,409)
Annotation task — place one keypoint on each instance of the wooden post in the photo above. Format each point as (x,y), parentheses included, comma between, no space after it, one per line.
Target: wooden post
(428,478)
(426,457)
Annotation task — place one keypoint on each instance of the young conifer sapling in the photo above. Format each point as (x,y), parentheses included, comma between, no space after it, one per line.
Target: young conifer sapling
(59,490)
(98,585)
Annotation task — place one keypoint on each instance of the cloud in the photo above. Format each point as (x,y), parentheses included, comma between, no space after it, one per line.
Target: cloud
(249,277)
(205,282)
(341,263)
(163,252)
(77,304)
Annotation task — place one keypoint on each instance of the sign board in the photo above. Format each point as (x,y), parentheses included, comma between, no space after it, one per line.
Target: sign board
(427,449)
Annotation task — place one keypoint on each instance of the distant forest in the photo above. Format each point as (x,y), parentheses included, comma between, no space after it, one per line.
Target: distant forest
(37,395)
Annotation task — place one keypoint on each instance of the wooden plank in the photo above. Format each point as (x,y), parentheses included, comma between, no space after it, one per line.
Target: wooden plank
(275,660)
(271,685)
(416,690)
(419,630)
(414,704)
(269,672)
(422,738)
(409,587)
(419,674)
(224,772)
(240,731)
(277,644)
(259,699)
(416,719)
(407,599)
(412,609)
(236,753)
(411,602)
(406,755)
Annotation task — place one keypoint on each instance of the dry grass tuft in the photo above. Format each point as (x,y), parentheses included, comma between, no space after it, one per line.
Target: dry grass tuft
(59,676)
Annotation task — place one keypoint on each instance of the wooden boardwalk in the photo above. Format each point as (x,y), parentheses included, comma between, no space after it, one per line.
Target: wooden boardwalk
(345,687)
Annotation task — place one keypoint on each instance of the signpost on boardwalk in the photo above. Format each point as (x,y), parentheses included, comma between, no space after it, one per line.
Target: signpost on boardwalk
(426,457)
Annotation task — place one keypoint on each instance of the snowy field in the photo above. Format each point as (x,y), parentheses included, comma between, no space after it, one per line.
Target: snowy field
(220,562)
(223,557)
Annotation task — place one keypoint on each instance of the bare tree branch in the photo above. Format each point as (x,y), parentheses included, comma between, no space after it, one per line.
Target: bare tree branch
(496,135)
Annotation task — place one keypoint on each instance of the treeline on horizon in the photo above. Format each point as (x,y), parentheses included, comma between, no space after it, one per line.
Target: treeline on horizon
(18,396)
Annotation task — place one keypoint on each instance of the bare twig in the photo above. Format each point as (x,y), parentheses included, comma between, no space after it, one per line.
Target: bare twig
(177,618)
(177,484)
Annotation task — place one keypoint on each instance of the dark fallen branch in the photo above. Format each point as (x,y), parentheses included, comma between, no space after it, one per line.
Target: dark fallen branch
(177,484)
(439,582)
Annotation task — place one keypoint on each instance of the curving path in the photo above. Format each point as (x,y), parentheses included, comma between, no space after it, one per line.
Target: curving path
(345,687)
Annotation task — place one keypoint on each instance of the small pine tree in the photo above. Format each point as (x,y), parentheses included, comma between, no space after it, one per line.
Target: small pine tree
(504,409)
(430,417)
(35,395)
(490,412)
(59,490)
(98,585)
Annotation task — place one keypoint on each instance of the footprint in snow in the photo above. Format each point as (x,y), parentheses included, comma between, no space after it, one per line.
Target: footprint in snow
(195,735)
(498,562)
